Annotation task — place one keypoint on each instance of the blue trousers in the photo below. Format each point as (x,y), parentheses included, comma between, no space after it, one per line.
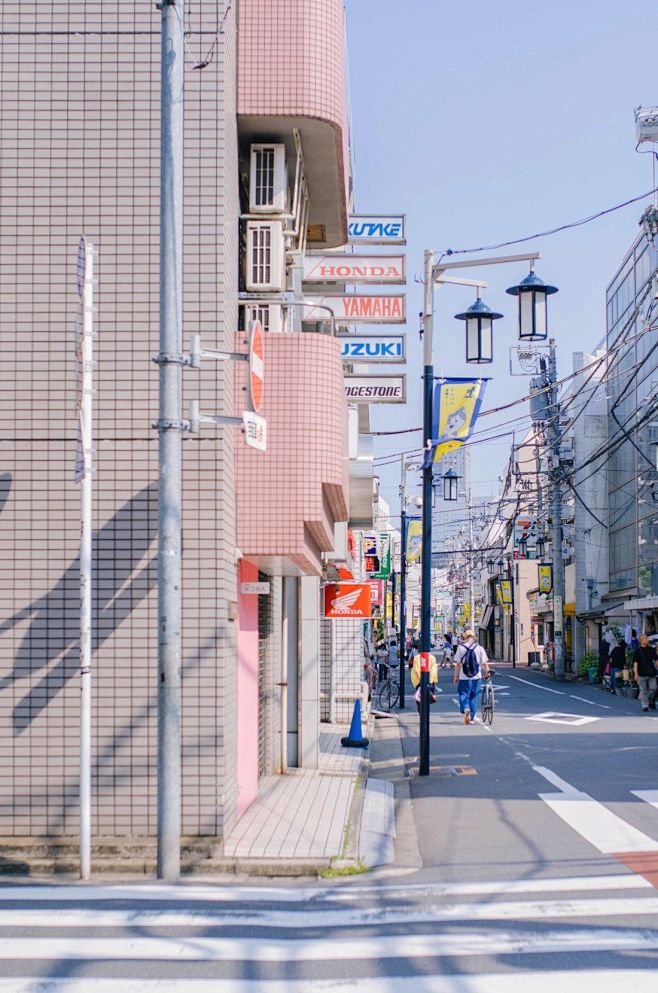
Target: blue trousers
(469,694)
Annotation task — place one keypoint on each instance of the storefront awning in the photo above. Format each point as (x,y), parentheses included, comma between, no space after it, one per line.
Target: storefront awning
(486,617)
(601,611)
(642,603)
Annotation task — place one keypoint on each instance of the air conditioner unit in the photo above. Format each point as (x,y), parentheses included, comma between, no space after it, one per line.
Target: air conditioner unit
(265,262)
(270,316)
(268,180)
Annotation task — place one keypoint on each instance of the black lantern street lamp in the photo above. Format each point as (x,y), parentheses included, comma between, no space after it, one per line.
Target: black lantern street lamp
(479,332)
(532,293)
(541,546)
(500,565)
(450,481)
(523,547)
(490,566)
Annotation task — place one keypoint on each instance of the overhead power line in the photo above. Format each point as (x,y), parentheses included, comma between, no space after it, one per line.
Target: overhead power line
(545,234)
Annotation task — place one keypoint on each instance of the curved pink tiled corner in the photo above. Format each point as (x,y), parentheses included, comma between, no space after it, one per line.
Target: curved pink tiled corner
(290,496)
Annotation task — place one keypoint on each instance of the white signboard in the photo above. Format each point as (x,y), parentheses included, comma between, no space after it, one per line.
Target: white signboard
(259,589)
(376,229)
(375,389)
(557,616)
(357,309)
(255,430)
(354,269)
(372,348)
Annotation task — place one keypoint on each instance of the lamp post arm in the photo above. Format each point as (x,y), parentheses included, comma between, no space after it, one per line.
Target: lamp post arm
(490,260)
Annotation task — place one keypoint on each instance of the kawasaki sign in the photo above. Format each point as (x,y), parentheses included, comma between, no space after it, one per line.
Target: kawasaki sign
(372,348)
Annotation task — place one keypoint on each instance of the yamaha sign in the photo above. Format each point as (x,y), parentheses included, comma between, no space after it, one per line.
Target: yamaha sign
(372,348)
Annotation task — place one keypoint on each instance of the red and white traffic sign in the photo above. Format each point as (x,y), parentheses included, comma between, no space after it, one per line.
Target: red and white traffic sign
(256,367)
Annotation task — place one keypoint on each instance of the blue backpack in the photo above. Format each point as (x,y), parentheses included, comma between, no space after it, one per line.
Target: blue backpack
(470,664)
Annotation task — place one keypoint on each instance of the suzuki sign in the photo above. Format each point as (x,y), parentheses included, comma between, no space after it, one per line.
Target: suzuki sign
(376,229)
(372,348)
(357,309)
(354,269)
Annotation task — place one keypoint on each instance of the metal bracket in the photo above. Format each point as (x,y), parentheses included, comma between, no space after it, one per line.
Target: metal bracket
(197,353)
(171,358)
(171,425)
(197,418)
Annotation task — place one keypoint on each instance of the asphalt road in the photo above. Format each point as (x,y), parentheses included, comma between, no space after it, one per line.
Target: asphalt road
(529,855)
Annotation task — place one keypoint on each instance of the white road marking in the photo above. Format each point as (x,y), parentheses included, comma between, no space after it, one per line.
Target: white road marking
(375,947)
(537,686)
(245,895)
(571,720)
(284,920)
(592,703)
(585,980)
(592,820)
(649,796)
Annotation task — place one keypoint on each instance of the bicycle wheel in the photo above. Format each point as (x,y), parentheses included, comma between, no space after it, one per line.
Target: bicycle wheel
(492,704)
(388,695)
(484,704)
(487,704)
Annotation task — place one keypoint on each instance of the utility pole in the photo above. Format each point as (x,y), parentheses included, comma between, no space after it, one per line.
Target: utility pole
(556,517)
(170,427)
(471,619)
(403,578)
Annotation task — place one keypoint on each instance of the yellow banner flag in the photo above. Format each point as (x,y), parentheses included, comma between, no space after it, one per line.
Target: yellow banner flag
(414,540)
(455,409)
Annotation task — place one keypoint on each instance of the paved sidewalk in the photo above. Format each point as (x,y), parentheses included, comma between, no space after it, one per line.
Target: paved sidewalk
(304,814)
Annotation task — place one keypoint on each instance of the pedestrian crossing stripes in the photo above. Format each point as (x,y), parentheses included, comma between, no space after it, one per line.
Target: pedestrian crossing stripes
(600,980)
(477,937)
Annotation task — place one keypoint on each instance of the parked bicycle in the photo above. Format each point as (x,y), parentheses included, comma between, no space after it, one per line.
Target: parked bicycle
(488,702)
(389,690)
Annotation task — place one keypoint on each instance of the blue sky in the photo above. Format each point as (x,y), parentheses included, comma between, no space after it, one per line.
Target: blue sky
(485,122)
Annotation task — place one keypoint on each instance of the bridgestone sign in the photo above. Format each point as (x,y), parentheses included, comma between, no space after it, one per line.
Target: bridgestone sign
(375,389)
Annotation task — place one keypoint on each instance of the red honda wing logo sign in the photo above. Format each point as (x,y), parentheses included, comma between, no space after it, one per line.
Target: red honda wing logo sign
(347,600)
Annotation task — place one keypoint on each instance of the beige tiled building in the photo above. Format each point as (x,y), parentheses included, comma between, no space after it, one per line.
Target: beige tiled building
(79,155)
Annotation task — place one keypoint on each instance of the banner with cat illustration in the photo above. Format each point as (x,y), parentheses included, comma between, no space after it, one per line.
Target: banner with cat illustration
(455,407)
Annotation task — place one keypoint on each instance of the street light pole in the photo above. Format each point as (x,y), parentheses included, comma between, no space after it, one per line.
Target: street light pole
(403,579)
(426,560)
(436,273)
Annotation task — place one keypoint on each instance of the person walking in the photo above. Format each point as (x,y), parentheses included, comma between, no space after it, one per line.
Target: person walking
(616,664)
(415,678)
(645,672)
(471,663)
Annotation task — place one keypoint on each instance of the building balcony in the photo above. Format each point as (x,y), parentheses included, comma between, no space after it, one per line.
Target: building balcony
(290,497)
(292,75)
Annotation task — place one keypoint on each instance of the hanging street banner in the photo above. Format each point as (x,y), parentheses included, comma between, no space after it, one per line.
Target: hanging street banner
(354,269)
(376,229)
(352,308)
(455,408)
(372,348)
(375,389)
(506,591)
(545,570)
(345,601)
(414,539)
